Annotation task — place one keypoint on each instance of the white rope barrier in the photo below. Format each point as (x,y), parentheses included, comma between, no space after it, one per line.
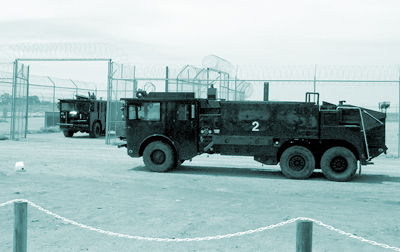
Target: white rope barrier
(202,238)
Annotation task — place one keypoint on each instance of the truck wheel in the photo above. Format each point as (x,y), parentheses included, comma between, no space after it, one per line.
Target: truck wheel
(68,133)
(338,164)
(297,162)
(159,156)
(96,130)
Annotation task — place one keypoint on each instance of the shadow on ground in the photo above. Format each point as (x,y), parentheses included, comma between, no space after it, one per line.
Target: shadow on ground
(269,174)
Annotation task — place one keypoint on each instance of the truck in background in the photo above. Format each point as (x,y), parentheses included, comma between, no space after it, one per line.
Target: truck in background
(83,114)
(169,128)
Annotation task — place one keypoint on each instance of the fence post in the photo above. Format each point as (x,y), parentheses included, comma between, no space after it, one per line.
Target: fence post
(304,236)
(266,91)
(398,135)
(20,226)
(27,102)
(14,100)
(166,78)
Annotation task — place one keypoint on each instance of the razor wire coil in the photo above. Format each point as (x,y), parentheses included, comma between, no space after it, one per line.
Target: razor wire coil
(64,51)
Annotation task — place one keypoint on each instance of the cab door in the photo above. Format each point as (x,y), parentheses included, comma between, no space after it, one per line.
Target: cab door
(182,127)
(143,119)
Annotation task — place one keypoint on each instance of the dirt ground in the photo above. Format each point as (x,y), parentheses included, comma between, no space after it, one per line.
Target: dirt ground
(98,185)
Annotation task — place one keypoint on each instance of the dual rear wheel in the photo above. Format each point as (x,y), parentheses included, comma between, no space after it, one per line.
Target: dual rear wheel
(337,163)
(297,162)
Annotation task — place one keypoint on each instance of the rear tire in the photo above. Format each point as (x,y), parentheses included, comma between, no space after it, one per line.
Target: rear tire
(159,156)
(339,164)
(96,130)
(68,133)
(297,162)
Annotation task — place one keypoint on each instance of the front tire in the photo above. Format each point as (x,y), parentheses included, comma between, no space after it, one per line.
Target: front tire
(159,156)
(68,133)
(96,130)
(339,164)
(297,162)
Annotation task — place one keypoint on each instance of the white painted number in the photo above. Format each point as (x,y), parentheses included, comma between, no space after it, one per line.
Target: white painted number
(256,125)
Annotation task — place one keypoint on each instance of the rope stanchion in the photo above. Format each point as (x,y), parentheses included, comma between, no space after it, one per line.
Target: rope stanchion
(304,236)
(300,219)
(20,226)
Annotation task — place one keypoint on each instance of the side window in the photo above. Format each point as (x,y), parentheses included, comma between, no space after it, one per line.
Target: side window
(132,112)
(186,112)
(193,111)
(67,106)
(145,111)
(150,111)
(182,112)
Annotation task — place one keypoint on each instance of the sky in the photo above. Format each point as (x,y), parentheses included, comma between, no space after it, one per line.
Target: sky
(243,32)
(248,32)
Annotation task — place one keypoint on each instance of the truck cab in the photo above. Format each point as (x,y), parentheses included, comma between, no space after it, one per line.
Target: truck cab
(169,123)
(83,114)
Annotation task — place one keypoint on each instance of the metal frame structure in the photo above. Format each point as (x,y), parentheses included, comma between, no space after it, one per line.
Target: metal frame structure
(111,73)
(109,88)
(16,78)
(313,81)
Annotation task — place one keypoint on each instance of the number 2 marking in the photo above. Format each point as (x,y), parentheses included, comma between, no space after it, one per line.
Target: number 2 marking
(256,125)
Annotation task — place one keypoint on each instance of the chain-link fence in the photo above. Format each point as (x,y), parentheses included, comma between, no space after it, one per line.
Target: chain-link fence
(365,86)
(127,79)
(35,104)
(14,104)
(6,84)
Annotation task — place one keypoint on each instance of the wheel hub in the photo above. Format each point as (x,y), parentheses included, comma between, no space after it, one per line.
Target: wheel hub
(297,163)
(158,157)
(339,164)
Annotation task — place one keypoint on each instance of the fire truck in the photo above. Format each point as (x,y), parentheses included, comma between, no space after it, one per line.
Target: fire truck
(168,128)
(84,114)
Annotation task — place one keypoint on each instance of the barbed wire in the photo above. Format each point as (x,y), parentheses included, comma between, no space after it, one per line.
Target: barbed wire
(193,76)
(321,72)
(108,51)
(203,238)
(151,71)
(64,51)
(6,70)
(219,64)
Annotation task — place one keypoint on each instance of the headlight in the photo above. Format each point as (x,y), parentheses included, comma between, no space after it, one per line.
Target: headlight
(73,113)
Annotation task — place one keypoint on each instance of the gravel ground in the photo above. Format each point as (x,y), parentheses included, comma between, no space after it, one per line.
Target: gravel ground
(98,185)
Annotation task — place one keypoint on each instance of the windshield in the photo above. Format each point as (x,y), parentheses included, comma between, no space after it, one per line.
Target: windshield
(75,106)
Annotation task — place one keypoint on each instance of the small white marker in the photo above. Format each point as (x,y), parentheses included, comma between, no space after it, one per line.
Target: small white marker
(19,167)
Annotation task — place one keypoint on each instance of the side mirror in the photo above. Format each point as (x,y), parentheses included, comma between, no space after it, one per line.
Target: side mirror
(383,106)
